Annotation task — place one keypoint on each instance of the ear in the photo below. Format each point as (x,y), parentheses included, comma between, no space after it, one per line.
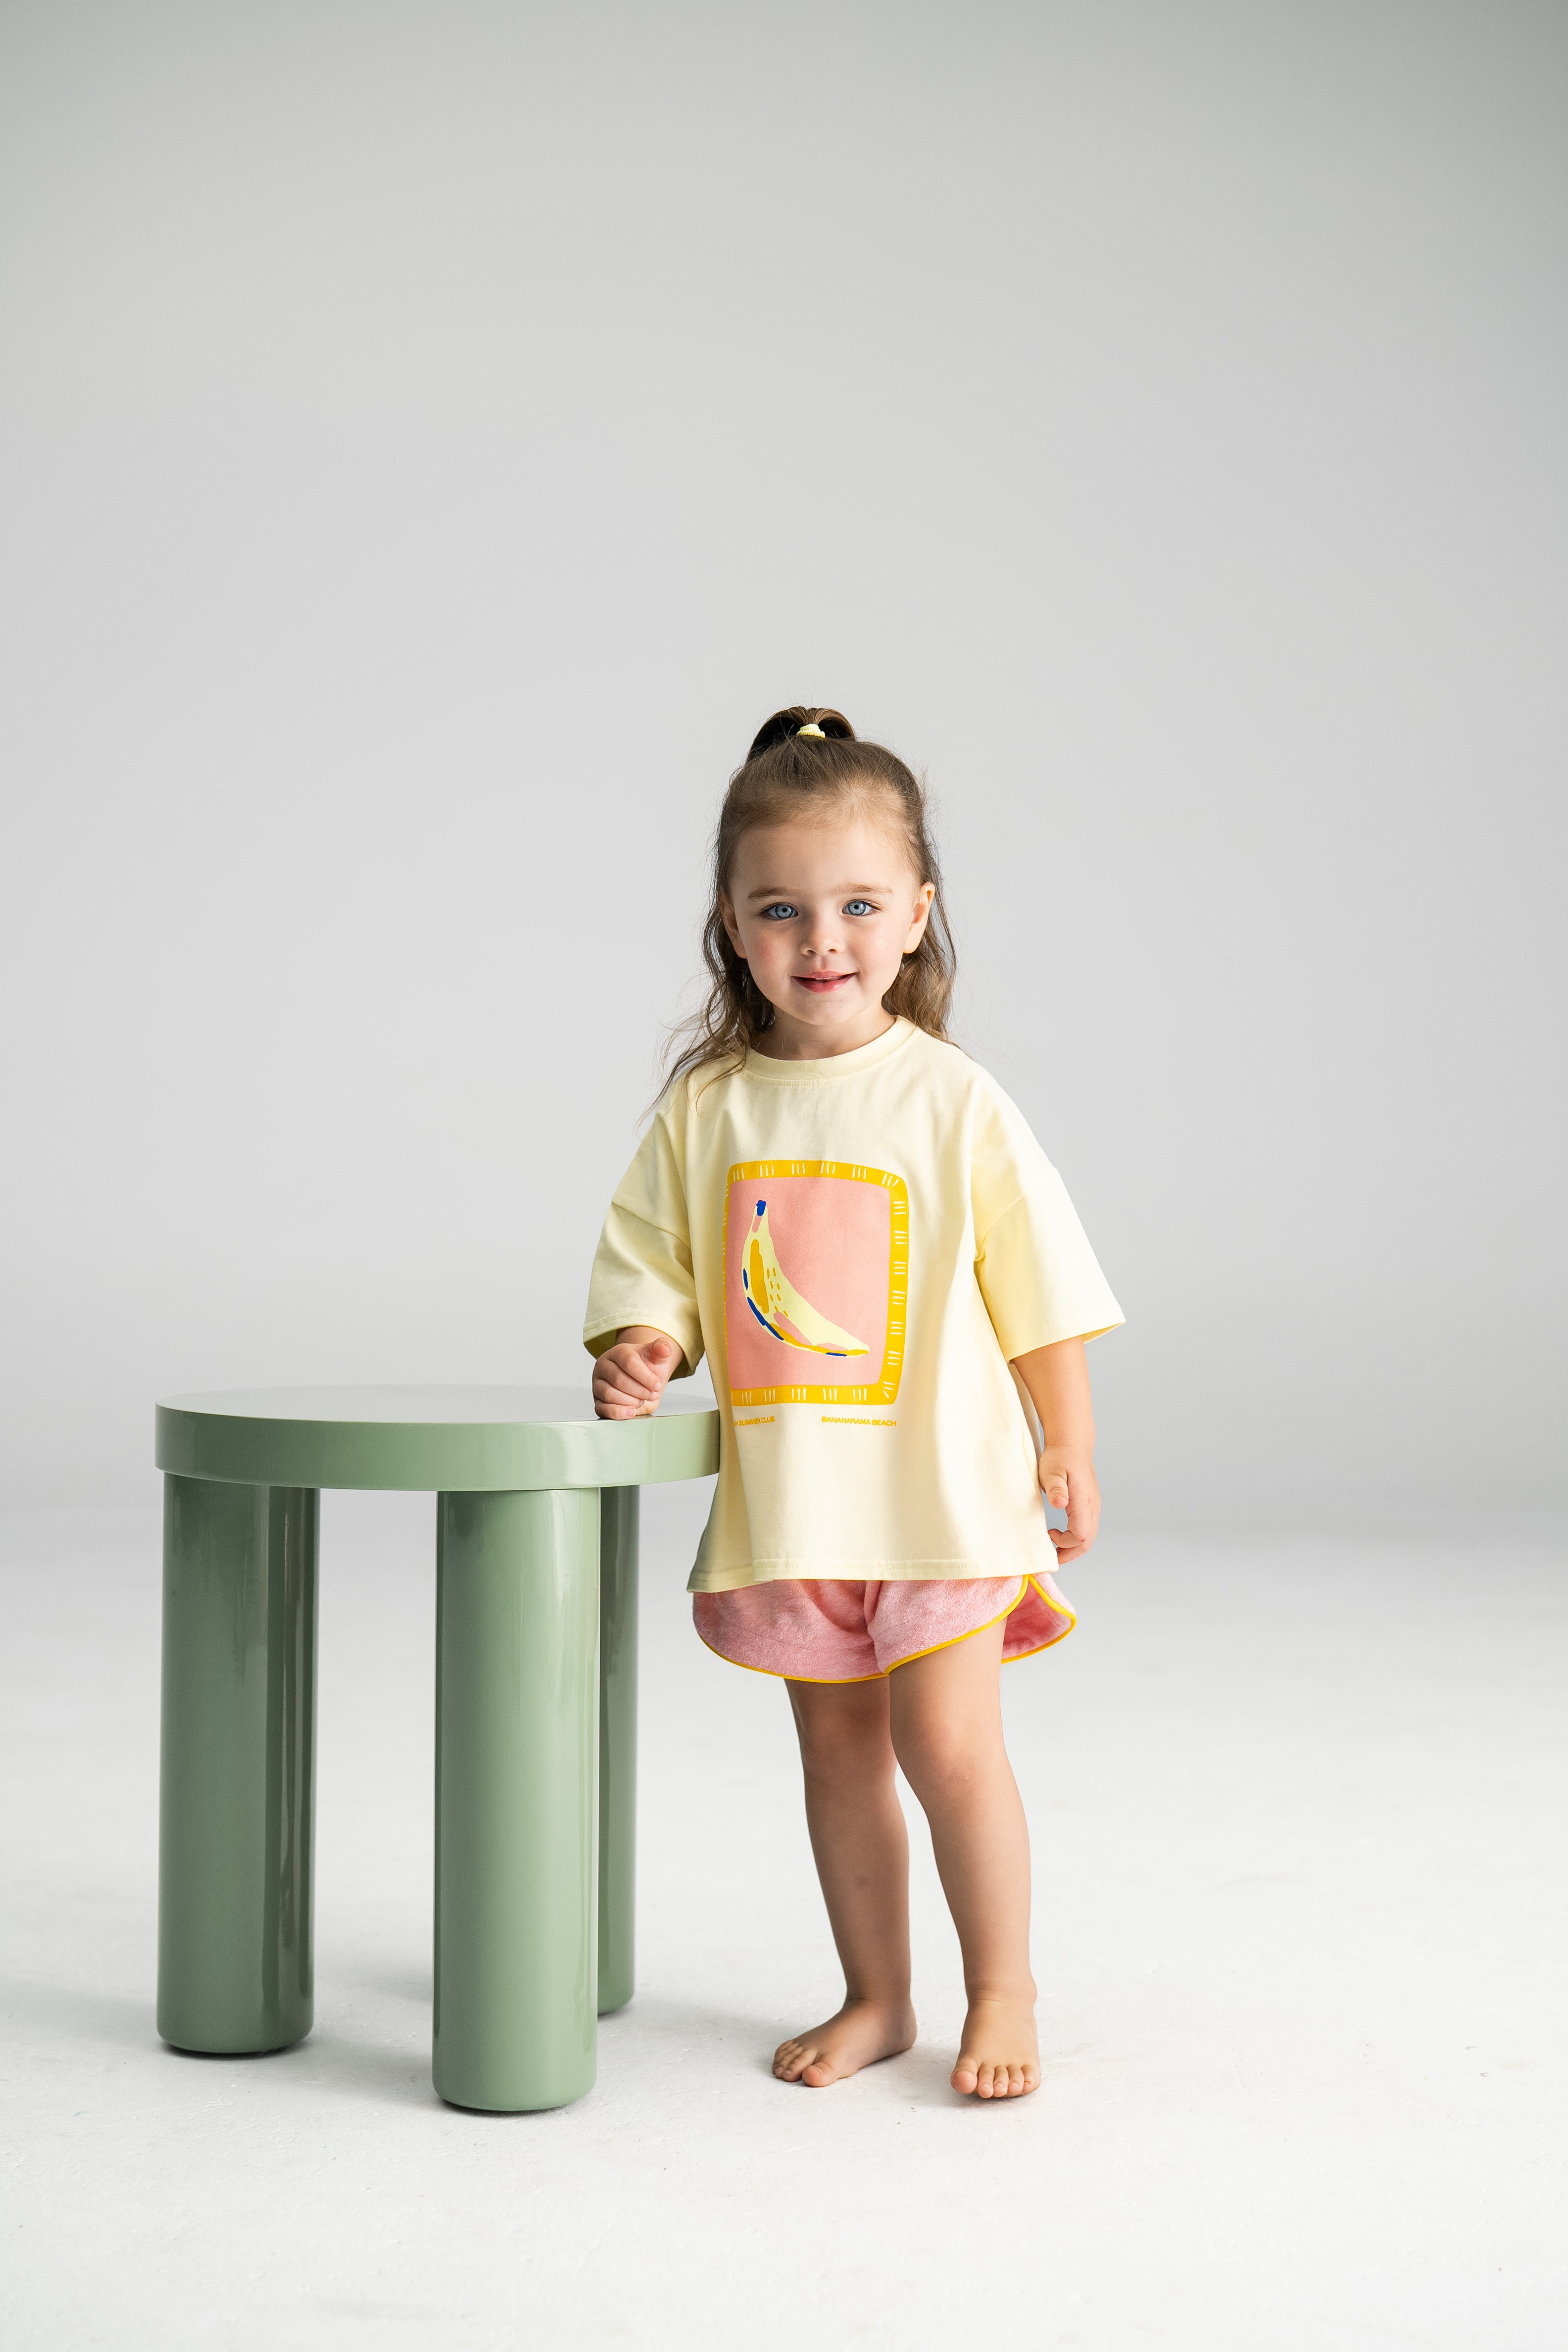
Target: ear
(923,898)
(727,916)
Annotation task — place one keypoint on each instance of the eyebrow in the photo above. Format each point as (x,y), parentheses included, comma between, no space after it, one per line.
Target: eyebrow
(845,891)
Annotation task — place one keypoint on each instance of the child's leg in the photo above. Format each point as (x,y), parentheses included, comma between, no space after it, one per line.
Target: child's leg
(862,1851)
(946,1727)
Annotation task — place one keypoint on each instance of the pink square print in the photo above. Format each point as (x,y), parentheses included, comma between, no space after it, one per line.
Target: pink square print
(813,1276)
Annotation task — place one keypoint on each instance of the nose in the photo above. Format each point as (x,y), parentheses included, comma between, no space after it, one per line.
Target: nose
(822,933)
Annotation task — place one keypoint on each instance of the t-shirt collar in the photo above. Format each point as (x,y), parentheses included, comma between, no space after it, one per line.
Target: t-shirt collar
(832,1066)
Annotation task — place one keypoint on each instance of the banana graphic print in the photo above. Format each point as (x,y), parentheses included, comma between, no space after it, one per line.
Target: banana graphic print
(779,1306)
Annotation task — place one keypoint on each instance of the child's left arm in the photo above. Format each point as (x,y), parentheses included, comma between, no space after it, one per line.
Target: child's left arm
(1057,1380)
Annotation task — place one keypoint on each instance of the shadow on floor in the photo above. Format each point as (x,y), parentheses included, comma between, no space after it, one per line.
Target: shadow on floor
(329,2061)
(394,1983)
(653,2021)
(75,2011)
(347,2065)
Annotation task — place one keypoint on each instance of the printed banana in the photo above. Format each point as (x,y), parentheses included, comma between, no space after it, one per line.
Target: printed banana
(779,1306)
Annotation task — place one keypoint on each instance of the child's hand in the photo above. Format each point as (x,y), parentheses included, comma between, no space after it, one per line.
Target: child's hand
(1068,1483)
(629,1378)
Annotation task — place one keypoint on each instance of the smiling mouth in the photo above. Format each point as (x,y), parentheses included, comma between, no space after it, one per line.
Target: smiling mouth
(822,984)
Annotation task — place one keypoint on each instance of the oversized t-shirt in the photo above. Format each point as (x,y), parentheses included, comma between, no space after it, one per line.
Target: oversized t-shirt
(860,1246)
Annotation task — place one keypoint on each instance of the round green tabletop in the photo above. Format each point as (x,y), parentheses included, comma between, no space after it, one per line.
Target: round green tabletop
(439,1440)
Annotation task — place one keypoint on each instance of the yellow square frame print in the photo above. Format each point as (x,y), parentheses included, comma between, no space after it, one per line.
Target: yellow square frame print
(758,1290)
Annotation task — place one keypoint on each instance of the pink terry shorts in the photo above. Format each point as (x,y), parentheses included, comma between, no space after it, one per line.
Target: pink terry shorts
(840,1630)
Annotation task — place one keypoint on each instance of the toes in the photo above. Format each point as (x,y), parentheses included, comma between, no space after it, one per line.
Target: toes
(800,2062)
(994,2078)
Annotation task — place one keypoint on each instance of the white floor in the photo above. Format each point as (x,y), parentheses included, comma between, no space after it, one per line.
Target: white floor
(1298,1822)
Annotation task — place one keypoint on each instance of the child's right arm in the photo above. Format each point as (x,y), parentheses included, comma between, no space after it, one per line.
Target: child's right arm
(630,1378)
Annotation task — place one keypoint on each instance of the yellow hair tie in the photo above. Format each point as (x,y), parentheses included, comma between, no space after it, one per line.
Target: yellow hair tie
(811,729)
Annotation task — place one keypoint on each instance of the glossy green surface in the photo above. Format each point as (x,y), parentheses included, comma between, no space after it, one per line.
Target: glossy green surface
(237,1790)
(537,1542)
(517,1753)
(617,1746)
(450,1440)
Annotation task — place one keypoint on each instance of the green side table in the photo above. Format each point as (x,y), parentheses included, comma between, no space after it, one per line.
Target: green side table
(536,1553)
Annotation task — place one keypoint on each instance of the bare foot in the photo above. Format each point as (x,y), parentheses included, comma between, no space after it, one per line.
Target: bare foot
(863,2031)
(999,2057)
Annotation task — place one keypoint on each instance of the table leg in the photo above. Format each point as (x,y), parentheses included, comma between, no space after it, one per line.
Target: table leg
(617,1745)
(238,1796)
(517,1688)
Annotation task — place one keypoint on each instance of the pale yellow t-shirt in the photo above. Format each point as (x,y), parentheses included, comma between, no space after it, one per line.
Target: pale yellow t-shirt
(860,1245)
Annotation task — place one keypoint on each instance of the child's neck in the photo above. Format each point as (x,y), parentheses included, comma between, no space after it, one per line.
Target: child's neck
(790,1040)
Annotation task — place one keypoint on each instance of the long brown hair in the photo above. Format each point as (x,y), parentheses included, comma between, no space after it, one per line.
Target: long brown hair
(786,775)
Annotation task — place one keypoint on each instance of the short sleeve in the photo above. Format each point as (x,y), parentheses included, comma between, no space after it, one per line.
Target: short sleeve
(642,1268)
(1037,1275)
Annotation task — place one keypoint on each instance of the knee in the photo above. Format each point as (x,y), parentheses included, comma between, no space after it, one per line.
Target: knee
(842,1741)
(941,1760)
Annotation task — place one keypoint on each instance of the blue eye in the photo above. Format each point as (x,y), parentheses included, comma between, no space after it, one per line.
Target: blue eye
(781,913)
(859,906)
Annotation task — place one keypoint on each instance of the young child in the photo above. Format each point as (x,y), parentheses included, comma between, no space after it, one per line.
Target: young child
(858,1228)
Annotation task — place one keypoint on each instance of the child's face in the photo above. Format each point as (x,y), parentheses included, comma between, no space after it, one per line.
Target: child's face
(825,914)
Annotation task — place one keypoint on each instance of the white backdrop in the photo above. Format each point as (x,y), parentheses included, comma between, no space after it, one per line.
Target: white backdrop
(434,436)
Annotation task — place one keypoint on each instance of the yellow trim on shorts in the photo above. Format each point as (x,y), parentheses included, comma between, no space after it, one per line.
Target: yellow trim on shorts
(831,1682)
(842,1682)
(1071,1615)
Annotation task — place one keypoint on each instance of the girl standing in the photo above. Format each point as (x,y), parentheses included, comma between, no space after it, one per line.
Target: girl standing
(857,1227)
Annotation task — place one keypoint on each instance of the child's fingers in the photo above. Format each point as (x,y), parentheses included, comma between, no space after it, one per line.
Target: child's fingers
(1073,1540)
(613,1403)
(616,1386)
(615,1400)
(619,1382)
